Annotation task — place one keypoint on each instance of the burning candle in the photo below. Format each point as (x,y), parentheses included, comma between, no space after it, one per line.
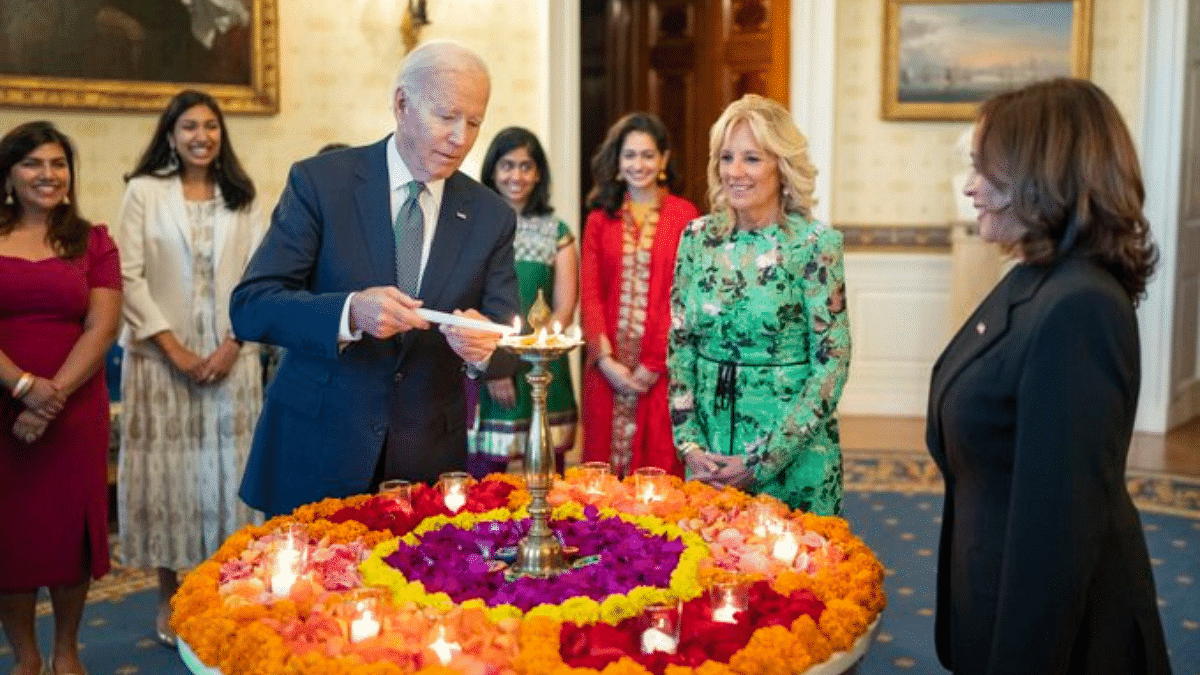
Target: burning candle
(662,628)
(282,582)
(364,627)
(725,613)
(646,482)
(648,494)
(728,598)
(658,640)
(594,474)
(455,499)
(766,524)
(541,338)
(444,650)
(454,489)
(786,547)
(286,570)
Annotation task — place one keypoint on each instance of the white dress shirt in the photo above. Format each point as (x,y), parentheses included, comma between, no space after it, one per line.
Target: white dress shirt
(399,176)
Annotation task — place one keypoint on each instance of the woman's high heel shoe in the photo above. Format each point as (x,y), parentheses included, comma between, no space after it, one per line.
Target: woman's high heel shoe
(162,626)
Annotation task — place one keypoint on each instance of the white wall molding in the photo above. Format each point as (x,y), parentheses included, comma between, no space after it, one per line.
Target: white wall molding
(1161,142)
(898,305)
(813,87)
(561,71)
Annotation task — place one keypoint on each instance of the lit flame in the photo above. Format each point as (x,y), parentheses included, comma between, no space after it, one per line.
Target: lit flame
(444,650)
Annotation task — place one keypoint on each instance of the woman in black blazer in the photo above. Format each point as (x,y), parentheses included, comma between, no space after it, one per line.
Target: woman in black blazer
(1042,564)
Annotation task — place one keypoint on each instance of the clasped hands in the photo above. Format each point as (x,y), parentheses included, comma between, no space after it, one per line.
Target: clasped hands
(209,369)
(625,381)
(43,402)
(718,470)
(384,311)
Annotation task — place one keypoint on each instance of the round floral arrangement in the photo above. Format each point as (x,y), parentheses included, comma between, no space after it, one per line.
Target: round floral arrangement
(377,585)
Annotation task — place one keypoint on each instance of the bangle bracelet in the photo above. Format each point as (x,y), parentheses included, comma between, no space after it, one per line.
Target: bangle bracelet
(23,385)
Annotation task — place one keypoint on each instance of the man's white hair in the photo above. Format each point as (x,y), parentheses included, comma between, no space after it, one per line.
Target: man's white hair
(433,58)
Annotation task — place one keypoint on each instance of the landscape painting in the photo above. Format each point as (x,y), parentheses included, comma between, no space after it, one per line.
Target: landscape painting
(941,59)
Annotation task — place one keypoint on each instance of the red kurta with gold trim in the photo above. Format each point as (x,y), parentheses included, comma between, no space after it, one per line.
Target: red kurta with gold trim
(626,274)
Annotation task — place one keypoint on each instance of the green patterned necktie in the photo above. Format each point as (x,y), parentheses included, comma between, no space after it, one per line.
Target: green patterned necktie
(409,229)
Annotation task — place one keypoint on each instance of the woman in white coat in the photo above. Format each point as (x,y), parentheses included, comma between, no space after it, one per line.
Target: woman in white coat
(190,390)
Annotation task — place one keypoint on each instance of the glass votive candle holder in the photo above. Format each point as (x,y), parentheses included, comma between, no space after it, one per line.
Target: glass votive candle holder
(728,596)
(398,489)
(786,545)
(595,475)
(765,520)
(287,560)
(649,484)
(362,607)
(660,630)
(454,485)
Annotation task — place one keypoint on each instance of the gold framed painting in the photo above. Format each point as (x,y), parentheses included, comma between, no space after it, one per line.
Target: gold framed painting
(137,54)
(941,58)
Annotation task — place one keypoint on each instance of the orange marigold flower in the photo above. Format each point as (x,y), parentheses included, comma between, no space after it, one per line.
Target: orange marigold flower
(537,660)
(254,648)
(713,668)
(624,666)
(842,622)
(771,651)
(813,640)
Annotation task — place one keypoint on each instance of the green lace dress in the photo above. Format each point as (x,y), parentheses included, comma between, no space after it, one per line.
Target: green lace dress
(759,353)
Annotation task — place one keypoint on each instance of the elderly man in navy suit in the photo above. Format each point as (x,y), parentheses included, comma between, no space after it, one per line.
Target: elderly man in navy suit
(360,239)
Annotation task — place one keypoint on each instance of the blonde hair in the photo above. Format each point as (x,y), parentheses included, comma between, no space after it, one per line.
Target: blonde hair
(772,127)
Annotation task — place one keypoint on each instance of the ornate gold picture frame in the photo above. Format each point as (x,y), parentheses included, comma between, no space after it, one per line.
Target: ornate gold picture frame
(100,55)
(941,58)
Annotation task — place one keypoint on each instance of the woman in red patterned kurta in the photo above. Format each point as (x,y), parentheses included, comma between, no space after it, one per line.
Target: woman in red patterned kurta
(626,268)
(60,303)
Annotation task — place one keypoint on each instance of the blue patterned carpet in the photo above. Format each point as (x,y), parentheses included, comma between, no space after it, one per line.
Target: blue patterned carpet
(893,502)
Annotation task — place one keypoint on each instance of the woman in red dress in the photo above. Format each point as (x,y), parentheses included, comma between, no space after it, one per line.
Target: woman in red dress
(626,268)
(60,303)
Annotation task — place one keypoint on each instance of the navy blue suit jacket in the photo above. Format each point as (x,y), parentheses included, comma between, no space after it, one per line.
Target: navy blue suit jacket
(329,410)
(1042,566)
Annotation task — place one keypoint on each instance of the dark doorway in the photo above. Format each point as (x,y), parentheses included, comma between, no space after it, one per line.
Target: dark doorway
(683,60)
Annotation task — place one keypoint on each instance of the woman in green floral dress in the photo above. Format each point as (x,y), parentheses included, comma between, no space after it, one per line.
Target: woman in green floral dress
(760,339)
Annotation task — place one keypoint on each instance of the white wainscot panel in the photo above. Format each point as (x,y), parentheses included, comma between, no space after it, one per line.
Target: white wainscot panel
(898,323)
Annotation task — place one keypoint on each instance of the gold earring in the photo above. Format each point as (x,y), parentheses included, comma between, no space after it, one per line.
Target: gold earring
(662,176)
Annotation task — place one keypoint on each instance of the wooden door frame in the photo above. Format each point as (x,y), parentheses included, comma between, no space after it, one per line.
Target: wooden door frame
(811,83)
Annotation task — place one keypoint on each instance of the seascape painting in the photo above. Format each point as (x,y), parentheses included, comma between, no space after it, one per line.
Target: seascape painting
(946,57)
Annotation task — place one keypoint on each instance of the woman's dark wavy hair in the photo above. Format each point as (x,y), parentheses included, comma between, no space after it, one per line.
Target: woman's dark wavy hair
(506,141)
(226,171)
(608,191)
(67,231)
(1063,153)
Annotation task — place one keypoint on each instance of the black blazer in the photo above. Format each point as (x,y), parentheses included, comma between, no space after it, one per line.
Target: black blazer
(1042,564)
(329,409)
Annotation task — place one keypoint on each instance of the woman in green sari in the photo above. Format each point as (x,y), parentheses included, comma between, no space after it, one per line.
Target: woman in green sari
(515,167)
